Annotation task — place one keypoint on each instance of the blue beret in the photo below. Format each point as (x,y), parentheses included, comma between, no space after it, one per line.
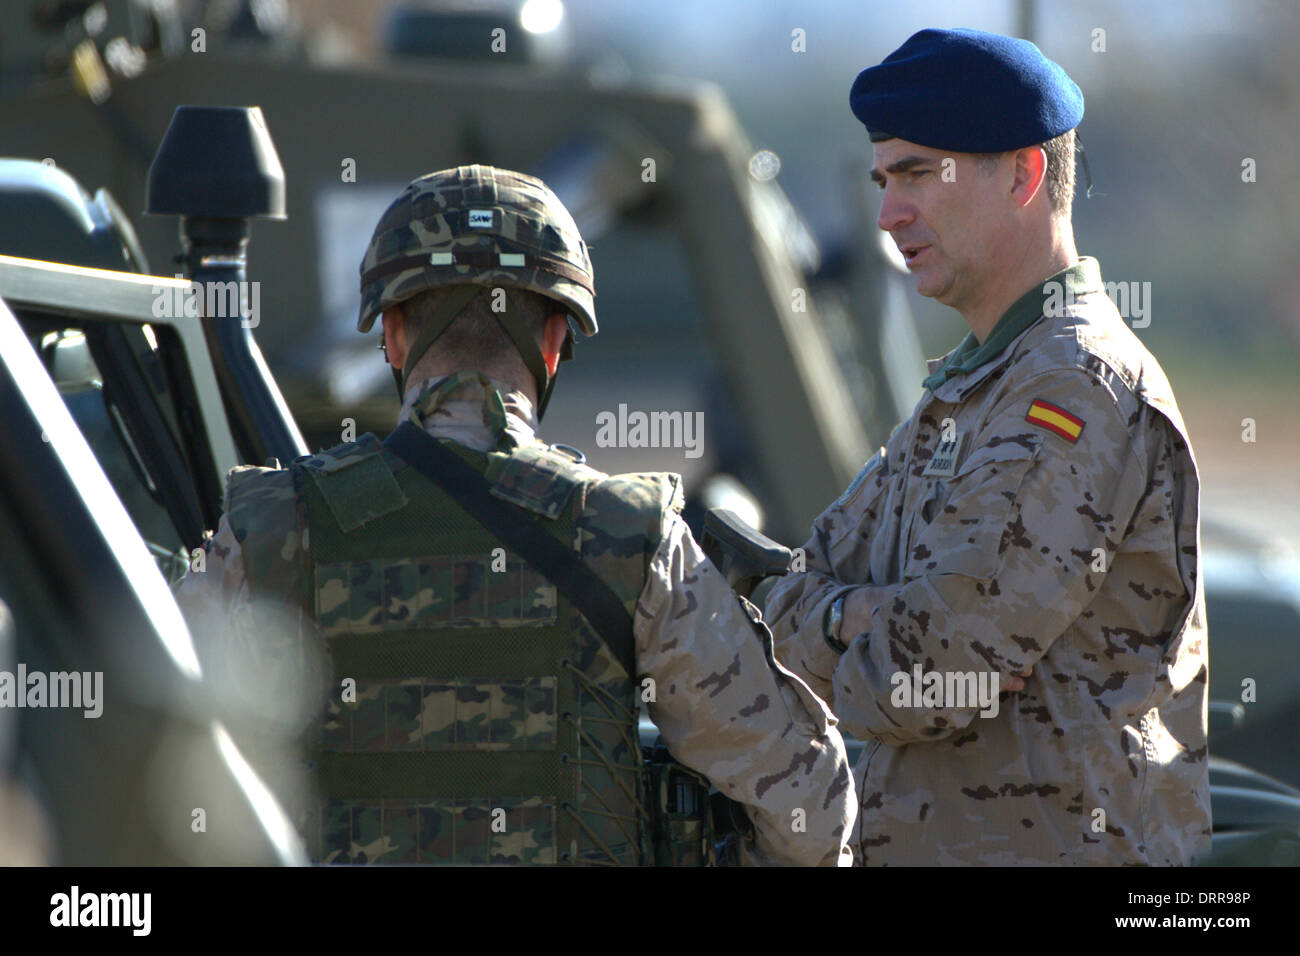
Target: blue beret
(967,91)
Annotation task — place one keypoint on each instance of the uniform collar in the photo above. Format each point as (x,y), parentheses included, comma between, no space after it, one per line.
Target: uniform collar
(472,410)
(972,356)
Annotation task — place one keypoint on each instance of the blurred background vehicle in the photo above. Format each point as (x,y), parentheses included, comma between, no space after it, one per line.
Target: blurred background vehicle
(704,268)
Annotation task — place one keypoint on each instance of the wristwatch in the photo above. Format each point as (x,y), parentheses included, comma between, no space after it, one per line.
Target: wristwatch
(831,622)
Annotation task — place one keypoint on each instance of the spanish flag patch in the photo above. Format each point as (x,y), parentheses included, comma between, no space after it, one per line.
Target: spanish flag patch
(1055,419)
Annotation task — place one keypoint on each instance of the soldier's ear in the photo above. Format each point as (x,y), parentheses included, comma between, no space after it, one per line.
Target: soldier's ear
(395,336)
(553,335)
(1030,174)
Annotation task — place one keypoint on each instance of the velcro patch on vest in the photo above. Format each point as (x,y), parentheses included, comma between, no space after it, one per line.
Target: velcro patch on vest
(362,597)
(451,713)
(356,489)
(467,830)
(1055,419)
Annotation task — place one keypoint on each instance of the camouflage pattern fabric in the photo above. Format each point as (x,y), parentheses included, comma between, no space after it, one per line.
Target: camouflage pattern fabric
(527,709)
(478,225)
(1042,544)
(706,667)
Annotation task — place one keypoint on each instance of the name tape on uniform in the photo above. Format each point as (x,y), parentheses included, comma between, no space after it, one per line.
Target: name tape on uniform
(943,464)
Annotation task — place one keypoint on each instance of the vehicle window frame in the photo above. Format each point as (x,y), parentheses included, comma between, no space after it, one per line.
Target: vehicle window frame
(199,430)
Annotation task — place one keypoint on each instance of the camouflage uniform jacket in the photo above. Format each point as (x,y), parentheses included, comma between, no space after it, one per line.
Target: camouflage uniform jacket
(1058,530)
(723,705)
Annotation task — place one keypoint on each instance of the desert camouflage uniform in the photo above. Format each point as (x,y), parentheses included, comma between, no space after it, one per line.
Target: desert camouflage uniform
(723,705)
(1071,552)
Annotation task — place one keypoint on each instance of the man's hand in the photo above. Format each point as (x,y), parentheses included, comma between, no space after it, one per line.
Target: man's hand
(859,605)
(1014,682)
(861,602)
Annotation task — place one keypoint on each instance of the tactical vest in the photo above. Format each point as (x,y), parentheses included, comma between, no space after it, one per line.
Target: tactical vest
(475,717)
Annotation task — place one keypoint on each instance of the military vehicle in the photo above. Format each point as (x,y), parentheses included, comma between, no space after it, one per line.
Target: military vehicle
(707,278)
(107,728)
(703,264)
(118,437)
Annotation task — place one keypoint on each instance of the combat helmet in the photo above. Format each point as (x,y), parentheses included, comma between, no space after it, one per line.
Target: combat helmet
(479,226)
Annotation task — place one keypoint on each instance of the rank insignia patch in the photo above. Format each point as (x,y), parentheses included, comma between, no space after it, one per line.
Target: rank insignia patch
(1055,419)
(944,461)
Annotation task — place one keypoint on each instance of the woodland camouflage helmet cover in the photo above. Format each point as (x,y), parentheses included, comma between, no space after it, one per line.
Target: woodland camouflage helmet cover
(479,225)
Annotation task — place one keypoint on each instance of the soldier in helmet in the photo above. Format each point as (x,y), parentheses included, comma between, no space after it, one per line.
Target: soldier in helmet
(493,610)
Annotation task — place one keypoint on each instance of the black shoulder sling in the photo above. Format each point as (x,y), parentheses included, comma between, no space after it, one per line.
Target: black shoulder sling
(558,564)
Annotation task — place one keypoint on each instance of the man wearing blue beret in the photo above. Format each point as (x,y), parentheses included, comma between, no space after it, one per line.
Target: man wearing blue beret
(1005,605)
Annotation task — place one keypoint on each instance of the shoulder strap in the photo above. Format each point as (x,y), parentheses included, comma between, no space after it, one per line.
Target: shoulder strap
(560,565)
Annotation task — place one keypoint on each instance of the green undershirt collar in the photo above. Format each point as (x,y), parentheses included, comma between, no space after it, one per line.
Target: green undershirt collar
(1082,277)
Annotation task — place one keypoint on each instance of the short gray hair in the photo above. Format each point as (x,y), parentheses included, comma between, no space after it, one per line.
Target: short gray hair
(476,338)
(1059,177)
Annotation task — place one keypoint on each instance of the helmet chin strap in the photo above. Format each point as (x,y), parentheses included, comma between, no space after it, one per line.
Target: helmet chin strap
(442,317)
(446,313)
(532,355)
(566,353)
